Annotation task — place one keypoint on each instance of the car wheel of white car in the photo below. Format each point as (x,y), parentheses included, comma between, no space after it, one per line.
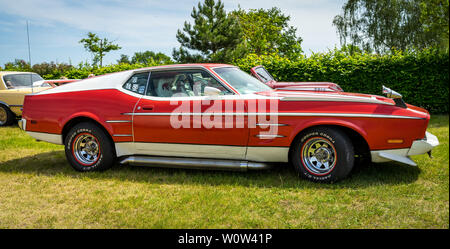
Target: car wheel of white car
(88,148)
(323,154)
(6,116)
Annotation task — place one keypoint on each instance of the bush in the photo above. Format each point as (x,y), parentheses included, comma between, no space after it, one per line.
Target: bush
(421,77)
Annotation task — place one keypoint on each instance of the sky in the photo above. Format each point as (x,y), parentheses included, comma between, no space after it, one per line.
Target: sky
(56,26)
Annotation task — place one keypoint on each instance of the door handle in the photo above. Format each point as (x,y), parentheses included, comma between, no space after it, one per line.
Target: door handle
(148,108)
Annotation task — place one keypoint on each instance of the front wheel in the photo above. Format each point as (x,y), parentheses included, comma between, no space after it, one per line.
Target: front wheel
(323,154)
(88,148)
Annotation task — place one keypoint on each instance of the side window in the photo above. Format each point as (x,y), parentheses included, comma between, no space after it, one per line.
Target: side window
(137,83)
(182,83)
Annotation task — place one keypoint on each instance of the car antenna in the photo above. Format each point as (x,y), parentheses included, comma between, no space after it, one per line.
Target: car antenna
(29,58)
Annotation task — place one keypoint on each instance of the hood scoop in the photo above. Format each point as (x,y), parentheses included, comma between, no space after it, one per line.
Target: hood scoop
(397,97)
(333,97)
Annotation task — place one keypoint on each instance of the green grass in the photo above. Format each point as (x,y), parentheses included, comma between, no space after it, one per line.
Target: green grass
(38,189)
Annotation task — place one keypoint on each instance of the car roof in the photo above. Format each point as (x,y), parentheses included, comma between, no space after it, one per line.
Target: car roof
(207,65)
(12,72)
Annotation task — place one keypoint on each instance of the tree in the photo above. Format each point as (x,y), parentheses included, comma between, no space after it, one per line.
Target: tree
(98,47)
(435,21)
(147,58)
(387,25)
(18,65)
(150,57)
(214,35)
(51,70)
(268,32)
(124,59)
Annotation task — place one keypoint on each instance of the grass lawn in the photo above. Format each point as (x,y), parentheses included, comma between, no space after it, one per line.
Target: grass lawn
(40,190)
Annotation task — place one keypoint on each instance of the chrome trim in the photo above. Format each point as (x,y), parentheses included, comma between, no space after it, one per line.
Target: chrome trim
(261,135)
(122,135)
(318,155)
(284,114)
(118,121)
(272,124)
(194,163)
(86,149)
(190,67)
(316,89)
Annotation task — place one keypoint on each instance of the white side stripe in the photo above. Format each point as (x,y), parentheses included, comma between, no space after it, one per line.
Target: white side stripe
(284,114)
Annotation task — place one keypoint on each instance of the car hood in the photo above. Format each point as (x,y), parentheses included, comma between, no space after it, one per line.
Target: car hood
(319,101)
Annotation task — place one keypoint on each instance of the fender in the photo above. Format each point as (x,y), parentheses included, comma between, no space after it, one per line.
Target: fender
(327,121)
(89,115)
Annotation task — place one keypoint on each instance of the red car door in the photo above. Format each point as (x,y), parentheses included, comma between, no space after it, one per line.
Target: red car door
(175,118)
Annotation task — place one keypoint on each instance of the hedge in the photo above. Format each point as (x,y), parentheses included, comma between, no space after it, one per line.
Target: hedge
(421,77)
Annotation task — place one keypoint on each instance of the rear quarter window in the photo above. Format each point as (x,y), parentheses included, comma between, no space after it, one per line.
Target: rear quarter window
(137,83)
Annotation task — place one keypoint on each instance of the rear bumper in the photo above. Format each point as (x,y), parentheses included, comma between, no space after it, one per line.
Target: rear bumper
(41,136)
(23,124)
(418,147)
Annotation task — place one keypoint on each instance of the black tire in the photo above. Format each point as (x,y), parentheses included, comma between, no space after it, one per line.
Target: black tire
(89,136)
(322,154)
(7,117)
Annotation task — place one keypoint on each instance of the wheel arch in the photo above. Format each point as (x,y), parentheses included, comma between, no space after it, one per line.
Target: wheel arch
(3,103)
(82,118)
(356,135)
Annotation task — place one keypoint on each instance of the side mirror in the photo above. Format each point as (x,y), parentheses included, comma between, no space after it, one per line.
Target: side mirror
(391,93)
(211,91)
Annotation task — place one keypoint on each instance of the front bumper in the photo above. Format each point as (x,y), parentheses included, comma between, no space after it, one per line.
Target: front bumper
(418,147)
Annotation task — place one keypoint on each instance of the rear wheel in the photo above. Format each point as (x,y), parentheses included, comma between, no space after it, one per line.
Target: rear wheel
(323,154)
(6,116)
(88,148)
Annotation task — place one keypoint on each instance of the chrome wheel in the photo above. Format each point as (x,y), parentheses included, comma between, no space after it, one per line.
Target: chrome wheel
(319,156)
(86,149)
(3,116)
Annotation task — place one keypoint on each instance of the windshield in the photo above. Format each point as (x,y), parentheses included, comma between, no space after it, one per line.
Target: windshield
(263,74)
(21,80)
(241,81)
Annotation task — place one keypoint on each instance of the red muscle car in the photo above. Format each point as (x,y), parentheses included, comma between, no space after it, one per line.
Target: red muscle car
(264,76)
(215,116)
